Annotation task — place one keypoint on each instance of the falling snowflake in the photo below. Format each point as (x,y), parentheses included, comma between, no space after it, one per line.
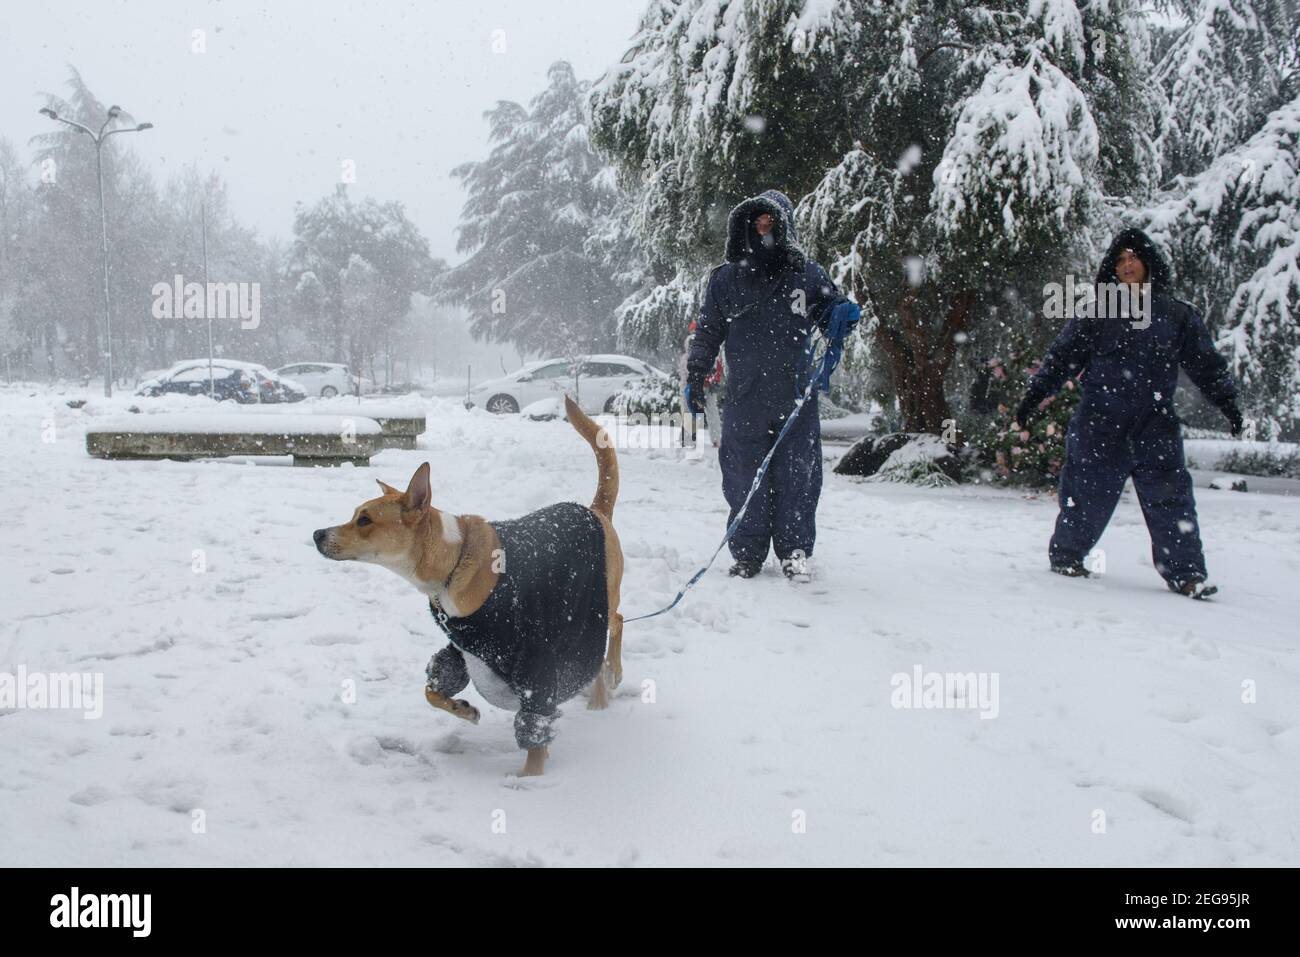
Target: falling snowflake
(907,162)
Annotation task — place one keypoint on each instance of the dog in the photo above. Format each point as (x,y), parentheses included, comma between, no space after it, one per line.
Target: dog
(527,604)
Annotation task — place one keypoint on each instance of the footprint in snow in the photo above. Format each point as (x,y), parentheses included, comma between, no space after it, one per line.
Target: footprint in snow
(91,796)
(1183,715)
(1167,804)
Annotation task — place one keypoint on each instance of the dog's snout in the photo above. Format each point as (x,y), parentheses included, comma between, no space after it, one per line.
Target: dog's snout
(318,536)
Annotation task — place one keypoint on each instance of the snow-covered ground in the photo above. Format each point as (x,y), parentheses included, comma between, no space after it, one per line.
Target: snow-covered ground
(756,724)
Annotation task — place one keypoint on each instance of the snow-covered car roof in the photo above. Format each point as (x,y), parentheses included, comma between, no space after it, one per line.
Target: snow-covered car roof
(593,357)
(236,364)
(216,361)
(535,364)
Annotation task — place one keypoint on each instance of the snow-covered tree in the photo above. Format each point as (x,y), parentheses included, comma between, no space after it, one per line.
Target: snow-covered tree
(1225,71)
(51,295)
(16,221)
(948,155)
(714,101)
(1234,234)
(978,174)
(1229,209)
(67,308)
(338,242)
(533,206)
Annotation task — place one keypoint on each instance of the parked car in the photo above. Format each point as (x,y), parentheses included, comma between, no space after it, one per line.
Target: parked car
(290,389)
(322,378)
(229,379)
(594,382)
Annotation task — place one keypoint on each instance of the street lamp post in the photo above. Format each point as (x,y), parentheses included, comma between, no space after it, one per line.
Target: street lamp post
(98,139)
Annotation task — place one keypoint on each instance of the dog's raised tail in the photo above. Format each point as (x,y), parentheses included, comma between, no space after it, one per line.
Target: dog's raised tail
(606,460)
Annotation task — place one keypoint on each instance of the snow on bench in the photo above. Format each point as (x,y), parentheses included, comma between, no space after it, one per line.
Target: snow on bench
(310,439)
(400,422)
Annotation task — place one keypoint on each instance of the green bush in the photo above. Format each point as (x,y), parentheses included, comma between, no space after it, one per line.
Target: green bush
(1266,463)
(1030,456)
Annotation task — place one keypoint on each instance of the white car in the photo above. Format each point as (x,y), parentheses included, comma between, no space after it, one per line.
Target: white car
(598,379)
(321,378)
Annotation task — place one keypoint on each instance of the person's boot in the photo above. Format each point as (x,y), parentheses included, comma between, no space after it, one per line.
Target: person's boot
(744,569)
(797,568)
(1196,588)
(1070,569)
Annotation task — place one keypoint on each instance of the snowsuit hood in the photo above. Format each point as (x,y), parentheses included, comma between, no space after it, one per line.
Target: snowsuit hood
(740,227)
(1138,241)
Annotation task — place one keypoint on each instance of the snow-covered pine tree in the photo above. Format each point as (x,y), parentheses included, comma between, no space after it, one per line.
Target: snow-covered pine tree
(1225,71)
(714,101)
(1234,234)
(977,170)
(1229,209)
(533,204)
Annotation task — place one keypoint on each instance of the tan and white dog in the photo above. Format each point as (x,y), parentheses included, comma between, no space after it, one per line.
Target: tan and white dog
(527,604)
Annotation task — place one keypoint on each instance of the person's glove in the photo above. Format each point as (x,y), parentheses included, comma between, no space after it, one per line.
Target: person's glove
(1235,421)
(695,394)
(843,318)
(1028,408)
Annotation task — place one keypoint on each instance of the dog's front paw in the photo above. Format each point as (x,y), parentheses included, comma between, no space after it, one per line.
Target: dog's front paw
(463,709)
(456,706)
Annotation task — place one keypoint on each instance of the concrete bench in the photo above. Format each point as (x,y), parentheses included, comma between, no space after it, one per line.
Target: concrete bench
(400,423)
(310,439)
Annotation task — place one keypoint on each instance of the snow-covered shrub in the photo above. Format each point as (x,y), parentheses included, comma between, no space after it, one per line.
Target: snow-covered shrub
(916,458)
(926,462)
(1252,462)
(648,396)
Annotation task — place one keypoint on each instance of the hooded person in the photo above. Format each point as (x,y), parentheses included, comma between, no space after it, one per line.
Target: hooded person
(1127,356)
(763,302)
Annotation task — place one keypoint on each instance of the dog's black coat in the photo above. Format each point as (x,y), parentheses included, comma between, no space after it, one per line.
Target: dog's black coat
(542,629)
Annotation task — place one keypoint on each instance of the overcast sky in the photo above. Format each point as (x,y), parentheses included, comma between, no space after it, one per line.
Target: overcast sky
(288,89)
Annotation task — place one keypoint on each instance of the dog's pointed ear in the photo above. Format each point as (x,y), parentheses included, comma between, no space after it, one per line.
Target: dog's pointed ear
(388,489)
(418,494)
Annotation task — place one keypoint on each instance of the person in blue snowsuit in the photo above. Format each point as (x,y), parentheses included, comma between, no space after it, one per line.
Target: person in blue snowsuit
(1125,424)
(763,302)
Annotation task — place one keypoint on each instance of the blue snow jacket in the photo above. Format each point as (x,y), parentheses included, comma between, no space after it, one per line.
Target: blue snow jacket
(1130,372)
(763,302)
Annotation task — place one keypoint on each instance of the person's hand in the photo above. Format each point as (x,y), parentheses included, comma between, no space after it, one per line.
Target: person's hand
(695,395)
(843,318)
(1235,421)
(1027,409)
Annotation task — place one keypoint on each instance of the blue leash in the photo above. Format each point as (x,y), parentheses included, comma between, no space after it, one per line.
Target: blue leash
(821,381)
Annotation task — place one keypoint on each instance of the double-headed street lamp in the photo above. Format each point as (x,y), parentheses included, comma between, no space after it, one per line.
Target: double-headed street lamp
(98,139)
